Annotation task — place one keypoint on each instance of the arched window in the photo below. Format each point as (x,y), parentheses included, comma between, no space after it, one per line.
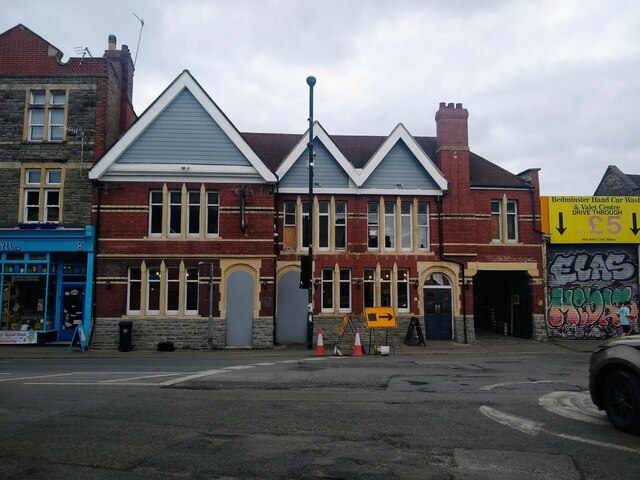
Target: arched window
(437,280)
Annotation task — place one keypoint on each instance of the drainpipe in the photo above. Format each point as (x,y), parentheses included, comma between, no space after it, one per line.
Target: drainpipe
(98,189)
(276,250)
(449,259)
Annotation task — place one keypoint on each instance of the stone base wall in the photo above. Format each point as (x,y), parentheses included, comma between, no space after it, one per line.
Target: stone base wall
(458,333)
(191,333)
(540,333)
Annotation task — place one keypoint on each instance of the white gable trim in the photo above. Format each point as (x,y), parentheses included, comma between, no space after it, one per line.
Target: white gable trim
(401,133)
(184,81)
(323,136)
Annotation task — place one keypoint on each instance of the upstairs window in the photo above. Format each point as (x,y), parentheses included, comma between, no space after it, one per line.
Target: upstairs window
(305,225)
(504,218)
(290,231)
(423,226)
(323,225)
(373,225)
(406,225)
(389,226)
(46,112)
(168,209)
(41,195)
(340,226)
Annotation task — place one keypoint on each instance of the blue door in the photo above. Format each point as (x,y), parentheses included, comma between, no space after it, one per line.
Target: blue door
(239,324)
(72,306)
(438,318)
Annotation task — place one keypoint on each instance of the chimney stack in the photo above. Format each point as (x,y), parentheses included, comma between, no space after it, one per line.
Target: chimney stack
(111,43)
(452,131)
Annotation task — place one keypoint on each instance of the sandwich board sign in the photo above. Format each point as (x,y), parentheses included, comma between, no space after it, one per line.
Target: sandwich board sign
(79,337)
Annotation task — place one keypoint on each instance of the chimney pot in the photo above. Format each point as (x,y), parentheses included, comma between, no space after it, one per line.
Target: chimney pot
(442,104)
(458,105)
(111,45)
(450,105)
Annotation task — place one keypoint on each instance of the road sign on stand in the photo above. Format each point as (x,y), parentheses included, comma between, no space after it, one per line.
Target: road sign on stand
(381,317)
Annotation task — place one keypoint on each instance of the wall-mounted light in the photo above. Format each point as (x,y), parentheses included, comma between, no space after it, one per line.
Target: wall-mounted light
(416,283)
(264,282)
(358,282)
(108,284)
(316,282)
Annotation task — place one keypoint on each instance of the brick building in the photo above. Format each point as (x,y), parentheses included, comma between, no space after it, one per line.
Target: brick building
(199,221)
(57,118)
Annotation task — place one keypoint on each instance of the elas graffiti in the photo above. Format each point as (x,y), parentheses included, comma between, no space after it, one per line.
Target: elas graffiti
(587,287)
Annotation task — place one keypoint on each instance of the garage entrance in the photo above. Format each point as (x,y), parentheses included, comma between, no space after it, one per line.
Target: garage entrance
(502,303)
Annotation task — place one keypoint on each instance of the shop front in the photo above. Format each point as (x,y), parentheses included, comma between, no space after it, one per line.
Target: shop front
(46,284)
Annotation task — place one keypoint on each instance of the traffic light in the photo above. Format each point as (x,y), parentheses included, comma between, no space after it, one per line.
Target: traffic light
(305,271)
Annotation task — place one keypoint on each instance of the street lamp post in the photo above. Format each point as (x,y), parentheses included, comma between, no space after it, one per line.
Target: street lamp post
(311,81)
(210,322)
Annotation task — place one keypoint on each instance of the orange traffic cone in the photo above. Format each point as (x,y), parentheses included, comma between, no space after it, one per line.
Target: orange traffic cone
(320,345)
(357,348)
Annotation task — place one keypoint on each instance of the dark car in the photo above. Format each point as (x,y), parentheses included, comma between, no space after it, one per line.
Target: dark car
(614,381)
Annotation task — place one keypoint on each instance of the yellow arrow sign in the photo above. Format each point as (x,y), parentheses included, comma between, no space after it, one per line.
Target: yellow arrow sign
(381,317)
(612,219)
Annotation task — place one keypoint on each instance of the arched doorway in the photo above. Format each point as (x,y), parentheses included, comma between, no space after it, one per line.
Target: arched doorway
(438,311)
(291,325)
(239,303)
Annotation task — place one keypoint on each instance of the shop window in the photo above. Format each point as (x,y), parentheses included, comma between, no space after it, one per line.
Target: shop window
(406,225)
(369,288)
(385,288)
(345,291)
(327,290)
(173,291)
(134,285)
(153,291)
(373,225)
(41,195)
(46,111)
(402,290)
(23,302)
(340,225)
(191,291)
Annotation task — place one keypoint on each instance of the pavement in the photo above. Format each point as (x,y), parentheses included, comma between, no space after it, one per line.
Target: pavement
(491,344)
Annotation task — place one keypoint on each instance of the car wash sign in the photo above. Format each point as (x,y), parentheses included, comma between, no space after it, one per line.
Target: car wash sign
(611,219)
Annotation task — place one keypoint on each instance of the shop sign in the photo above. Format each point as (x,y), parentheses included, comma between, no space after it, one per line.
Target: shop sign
(9,246)
(18,338)
(611,219)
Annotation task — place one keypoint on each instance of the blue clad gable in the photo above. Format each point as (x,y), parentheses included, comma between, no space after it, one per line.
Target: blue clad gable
(327,174)
(184,133)
(400,166)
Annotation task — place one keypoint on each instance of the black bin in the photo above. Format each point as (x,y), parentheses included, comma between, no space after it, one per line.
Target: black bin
(126,333)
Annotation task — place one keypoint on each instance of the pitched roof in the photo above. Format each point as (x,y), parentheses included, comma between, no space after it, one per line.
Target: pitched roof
(273,148)
(615,182)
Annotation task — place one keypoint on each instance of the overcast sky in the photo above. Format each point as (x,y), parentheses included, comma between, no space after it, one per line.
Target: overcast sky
(550,84)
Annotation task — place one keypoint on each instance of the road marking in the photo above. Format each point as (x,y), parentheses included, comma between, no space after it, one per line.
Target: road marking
(38,376)
(138,378)
(533,428)
(264,364)
(239,367)
(129,384)
(574,405)
(206,373)
(505,384)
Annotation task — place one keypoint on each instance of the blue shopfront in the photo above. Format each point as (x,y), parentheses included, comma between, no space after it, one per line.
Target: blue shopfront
(46,284)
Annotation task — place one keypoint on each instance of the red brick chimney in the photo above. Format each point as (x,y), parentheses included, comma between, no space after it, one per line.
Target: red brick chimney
(123,65)
(452,137)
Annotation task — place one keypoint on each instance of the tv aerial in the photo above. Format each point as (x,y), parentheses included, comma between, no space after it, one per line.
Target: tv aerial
(139,37)
(84,51)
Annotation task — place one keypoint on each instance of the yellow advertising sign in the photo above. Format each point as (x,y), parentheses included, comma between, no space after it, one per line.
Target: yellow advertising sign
(611,219)
(381,317)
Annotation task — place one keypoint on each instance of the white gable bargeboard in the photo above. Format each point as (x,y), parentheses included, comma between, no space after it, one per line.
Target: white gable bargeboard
(182,136)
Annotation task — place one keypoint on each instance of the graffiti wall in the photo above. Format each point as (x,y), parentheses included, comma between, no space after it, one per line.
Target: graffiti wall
(586,286)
